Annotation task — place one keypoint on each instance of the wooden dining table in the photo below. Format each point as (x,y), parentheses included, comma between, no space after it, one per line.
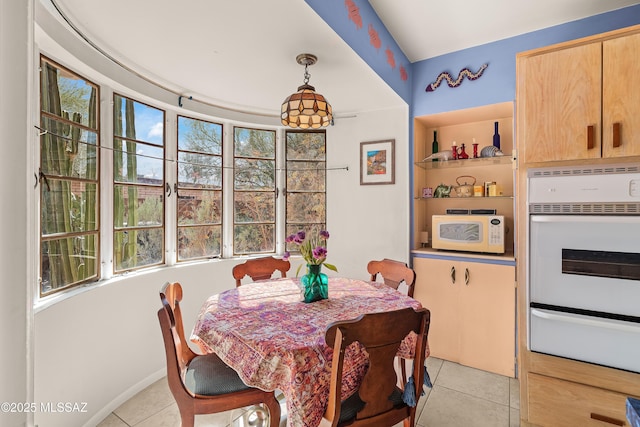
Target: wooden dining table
(275,341)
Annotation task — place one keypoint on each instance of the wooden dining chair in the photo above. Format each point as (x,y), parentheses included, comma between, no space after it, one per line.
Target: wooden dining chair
(202,384)
(393,272)
(378,401)
(260,268)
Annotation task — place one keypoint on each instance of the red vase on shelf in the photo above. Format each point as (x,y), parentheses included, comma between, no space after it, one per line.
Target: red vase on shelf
(462,154)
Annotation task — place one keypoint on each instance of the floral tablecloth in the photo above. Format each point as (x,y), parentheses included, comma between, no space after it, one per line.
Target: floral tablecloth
(275,341)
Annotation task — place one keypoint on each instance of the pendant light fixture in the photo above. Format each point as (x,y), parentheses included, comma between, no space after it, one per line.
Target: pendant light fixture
(306,109)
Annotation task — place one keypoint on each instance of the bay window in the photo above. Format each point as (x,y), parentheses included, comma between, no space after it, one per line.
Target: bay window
(276,185)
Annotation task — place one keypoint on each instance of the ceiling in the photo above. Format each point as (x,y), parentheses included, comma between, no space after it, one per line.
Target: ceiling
(240,54)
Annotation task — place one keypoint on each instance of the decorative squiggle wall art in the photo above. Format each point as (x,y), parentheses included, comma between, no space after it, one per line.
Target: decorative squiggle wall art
(465,72)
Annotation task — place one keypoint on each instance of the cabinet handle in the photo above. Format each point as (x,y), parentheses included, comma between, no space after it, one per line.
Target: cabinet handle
(616,134)
(466,276)
(606,419)
(591,143)
(453,274)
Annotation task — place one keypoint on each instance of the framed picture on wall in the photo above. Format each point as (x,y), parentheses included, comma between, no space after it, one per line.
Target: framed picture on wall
(377,162)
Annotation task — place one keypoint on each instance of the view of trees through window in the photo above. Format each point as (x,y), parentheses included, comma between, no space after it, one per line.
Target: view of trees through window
(69,153)
(199,189)
(138,184)
(306,179)
(143,195)
(254,195)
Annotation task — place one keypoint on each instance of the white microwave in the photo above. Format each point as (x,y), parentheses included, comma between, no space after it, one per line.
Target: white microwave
(469,233)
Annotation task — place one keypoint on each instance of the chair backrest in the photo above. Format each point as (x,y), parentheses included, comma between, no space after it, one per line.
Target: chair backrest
(260,268)
(393,272)
(381,334)
(177,350)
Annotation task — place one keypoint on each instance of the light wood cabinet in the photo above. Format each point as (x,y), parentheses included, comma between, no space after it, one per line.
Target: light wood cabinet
(579,101)
(557,403)
(472,307)
(621,93)
(561,90)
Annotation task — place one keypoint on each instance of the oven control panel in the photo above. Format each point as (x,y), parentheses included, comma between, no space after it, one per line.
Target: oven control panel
(620,188)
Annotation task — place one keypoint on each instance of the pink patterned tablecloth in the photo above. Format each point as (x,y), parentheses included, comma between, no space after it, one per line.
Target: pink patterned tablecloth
(275,341)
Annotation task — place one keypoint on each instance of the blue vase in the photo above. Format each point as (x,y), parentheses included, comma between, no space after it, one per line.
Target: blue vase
(315,284)
(496,136)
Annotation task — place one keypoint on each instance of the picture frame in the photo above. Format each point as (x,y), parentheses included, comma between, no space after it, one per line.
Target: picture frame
(377,162)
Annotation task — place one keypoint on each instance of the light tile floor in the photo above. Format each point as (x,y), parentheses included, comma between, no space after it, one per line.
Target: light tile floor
(461,396)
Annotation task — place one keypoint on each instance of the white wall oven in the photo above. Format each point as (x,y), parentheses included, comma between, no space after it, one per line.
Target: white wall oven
(584,264)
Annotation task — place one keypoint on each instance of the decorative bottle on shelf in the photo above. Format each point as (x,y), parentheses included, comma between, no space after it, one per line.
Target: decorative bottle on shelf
(434,145)
(496,136)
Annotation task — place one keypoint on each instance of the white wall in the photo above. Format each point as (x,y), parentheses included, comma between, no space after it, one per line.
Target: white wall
(15,66)
(367,221)
(103,344)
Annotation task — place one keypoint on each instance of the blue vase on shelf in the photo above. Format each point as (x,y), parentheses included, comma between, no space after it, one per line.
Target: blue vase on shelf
(496,136)
(315,284)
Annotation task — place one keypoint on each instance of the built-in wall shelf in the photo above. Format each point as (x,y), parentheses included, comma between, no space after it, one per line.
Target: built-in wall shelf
(465,163)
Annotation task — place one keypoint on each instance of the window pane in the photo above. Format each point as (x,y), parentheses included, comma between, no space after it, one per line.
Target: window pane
(65,94)
(254,238)
(138,248)
(201,171)
(134,120)
(306,182)
(72,154)
(306,146)
(254,143)
(306,176)
(69,159)
(138,210)
(250,174)
(199,207)
(199,242)
(254,207)
(136,206)
(68,207)
(68,261)
(306,208)
(254,197)
(137,162)
(199,136)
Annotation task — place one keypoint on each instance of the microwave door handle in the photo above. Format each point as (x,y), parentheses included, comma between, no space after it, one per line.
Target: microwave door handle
(585,320)
(453,274)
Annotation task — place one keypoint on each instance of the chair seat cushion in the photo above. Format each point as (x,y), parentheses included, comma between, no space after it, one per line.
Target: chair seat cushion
(208,375)
(350,407)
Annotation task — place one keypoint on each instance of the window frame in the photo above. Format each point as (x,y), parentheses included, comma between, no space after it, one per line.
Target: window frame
(305,226)
(274,191)
(178,187)
(44,180)
(139,185)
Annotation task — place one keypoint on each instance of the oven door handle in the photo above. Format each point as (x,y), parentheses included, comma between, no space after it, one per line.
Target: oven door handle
(599,322)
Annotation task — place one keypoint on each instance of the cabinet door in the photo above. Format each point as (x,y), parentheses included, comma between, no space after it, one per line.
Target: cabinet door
(487,317)
(558,403)
(621,92)
(436,291)
(560,99)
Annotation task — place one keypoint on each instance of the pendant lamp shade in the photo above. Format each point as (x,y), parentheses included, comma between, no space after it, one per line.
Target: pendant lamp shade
(306,109)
